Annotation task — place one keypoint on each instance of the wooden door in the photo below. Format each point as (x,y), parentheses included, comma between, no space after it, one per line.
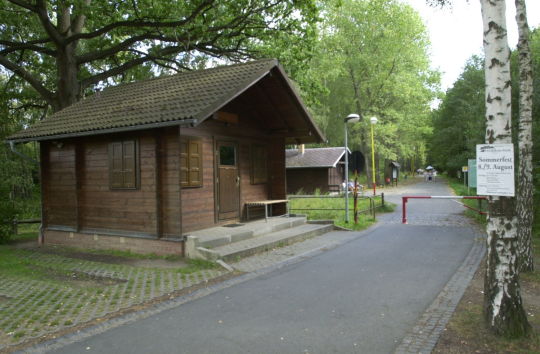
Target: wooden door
(228,180)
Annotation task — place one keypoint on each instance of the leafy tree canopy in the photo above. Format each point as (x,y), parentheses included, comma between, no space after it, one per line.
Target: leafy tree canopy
(64,48)
(373,59)
(459,122)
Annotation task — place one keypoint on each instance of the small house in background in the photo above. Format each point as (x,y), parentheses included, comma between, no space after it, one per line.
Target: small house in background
(318,168)
(392,171)
(138,166)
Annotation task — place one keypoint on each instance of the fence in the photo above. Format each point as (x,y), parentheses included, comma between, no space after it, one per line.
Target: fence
(15,224)
(370,211)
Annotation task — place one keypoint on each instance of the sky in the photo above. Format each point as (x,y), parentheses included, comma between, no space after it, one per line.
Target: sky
(456,33)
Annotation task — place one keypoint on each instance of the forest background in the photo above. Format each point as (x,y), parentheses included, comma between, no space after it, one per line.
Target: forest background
(345,56)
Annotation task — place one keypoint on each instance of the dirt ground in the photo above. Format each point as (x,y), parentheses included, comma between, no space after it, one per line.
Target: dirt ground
(466,333)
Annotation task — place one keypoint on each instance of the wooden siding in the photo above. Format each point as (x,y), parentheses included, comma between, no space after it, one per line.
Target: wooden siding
(278,177)
(125,210)
(60,181)
(249,192)
(198,202)
(307,180)
(336,176)
(170,184)
(82,199)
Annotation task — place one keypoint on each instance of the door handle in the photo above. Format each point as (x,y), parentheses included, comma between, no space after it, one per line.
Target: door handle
(237,181)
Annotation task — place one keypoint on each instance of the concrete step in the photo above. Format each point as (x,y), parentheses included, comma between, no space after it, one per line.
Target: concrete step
(244,248)
(222,235)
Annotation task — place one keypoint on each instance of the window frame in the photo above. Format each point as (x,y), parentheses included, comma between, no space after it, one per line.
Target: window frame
(254,178)
(188,140)
(136,164)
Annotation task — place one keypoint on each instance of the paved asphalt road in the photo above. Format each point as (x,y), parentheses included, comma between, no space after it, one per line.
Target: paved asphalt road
(361,297)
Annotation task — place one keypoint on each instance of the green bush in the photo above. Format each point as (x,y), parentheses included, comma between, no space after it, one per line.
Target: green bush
(6,226)
(19,194)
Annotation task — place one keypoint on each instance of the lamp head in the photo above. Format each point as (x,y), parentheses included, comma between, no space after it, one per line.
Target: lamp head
(373,120)
(353,118)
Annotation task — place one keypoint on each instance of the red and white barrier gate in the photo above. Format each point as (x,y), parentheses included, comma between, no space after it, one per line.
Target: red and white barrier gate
(405,199)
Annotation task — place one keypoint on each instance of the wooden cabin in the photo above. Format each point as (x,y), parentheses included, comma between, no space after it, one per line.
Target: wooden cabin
(320,169)
(139,166)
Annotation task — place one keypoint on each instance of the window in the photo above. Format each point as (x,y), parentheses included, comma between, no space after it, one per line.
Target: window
(123,165)
(227,155)
(190,162)
(259,172)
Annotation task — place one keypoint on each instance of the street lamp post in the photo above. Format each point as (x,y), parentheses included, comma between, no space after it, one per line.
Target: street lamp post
(373,121)
(353,118)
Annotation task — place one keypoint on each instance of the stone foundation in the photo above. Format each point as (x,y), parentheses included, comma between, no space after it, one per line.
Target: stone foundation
(123,243)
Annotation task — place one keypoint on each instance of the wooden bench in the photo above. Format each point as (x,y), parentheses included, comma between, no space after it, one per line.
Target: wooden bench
(266,204)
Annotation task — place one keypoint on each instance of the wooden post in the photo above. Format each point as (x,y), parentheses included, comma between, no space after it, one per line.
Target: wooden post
(79,166)
(43,173)
(179,187)
(157,184)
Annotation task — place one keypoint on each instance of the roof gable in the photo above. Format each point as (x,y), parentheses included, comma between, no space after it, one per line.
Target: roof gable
(314,158)
(189,97)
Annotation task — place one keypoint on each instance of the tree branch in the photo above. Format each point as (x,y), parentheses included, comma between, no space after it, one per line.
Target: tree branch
(15,46)
(41,11)
(24,4)
(28,77)
(124,46)
(141,24)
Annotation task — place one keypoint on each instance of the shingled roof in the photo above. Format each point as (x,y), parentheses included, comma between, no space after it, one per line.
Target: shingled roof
(189,97)
(313,158)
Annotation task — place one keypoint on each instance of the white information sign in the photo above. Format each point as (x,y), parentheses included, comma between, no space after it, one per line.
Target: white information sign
(495,169)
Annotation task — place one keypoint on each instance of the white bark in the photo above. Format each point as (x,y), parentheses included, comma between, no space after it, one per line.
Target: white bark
(525,188)
(502,299)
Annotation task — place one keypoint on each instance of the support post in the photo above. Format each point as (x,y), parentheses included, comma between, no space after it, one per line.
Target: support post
(158,184)
(404,210)
(346,178)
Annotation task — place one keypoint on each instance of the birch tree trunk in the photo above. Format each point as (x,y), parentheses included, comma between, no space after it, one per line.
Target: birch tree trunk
(524,208)
(503,308)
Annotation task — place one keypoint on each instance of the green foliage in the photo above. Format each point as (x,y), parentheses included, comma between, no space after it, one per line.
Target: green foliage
(372,59)
(460,189)
(18,198)
(459,122)
(18,192)
(91,44)
(308,207)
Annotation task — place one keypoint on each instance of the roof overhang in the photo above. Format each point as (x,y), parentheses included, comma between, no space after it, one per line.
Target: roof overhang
(306,132)
(183,122)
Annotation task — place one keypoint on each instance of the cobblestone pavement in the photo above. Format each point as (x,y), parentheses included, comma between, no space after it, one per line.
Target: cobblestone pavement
(32,308)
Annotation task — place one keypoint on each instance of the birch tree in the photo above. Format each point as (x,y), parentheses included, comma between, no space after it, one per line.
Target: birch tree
(524,207)
(503,308)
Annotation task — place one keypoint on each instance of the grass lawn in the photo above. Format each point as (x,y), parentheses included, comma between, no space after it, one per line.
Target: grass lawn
(461,189)
(335,210)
